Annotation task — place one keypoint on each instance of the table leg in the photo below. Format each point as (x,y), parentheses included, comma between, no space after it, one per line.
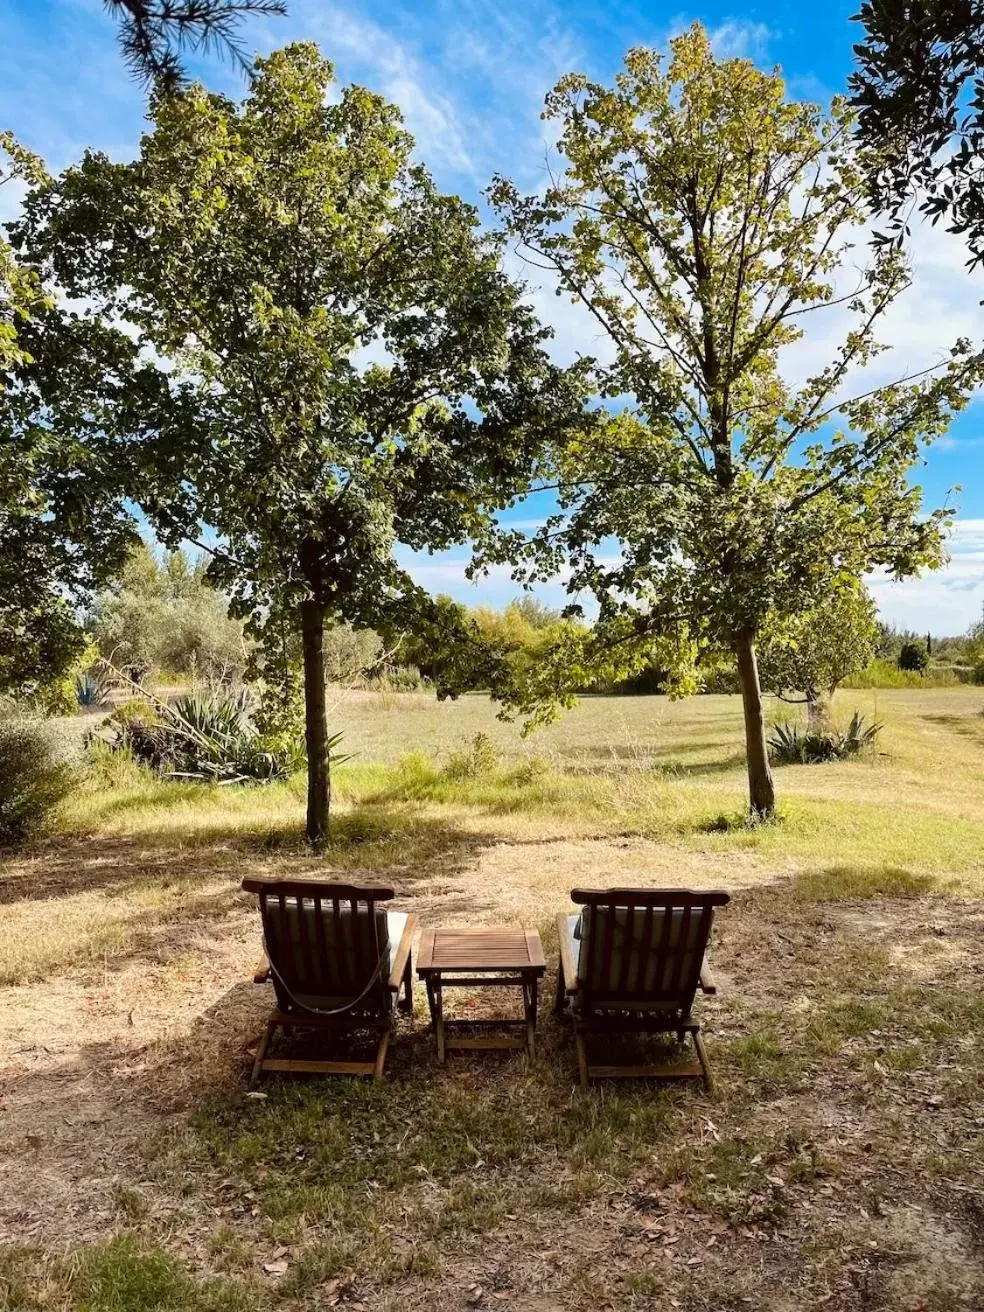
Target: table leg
(439,1020)
(529,1009)
(434,1006)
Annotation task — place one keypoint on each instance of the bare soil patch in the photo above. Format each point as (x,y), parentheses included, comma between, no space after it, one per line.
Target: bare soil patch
(841,1167)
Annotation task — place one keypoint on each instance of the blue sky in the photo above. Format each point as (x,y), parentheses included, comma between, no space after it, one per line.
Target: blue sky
(470,76)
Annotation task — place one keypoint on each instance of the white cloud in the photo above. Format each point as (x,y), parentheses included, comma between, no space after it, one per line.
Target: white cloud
(471,89)
(944,601)
(398,74)
(740,38)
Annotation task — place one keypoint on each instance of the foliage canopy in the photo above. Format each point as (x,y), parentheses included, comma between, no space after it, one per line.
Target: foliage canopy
(701,219)
(63,528)
(348,367)
(918,95)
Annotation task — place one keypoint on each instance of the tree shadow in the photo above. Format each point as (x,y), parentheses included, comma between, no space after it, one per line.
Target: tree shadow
(388,842)
(970,726)
(693,769)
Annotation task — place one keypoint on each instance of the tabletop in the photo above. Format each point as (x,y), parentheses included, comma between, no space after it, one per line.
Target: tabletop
(452,948)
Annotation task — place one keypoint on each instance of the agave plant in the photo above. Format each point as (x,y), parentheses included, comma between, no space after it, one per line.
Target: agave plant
(859,735)
(92,688)
(792,745)
(210,737)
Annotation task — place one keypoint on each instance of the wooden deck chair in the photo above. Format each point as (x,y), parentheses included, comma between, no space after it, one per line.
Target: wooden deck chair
(632,962)
(337,959)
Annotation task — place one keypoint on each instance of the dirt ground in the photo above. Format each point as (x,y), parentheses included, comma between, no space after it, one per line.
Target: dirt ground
(864,1189)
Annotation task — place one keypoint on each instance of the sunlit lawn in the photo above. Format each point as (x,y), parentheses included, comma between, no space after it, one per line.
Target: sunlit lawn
(670,771)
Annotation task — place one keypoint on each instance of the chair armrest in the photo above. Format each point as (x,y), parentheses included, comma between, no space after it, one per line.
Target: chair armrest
(568,956)
(256,883)
(262,972)
(706,981)
(402,954)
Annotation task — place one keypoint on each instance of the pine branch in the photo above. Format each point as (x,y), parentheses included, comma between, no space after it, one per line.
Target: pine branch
(155,34)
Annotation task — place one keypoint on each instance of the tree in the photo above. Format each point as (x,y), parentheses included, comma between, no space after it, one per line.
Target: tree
(349,367)
(917,91)
(813,651)
(63,528)
(155,34)
(701,220)
(163,614)
(974,648)
(914,657)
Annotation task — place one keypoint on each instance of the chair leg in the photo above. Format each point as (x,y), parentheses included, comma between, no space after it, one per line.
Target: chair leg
(377,1072)
(582,1059)
(705,1065)
(268,1034)
(560,997)
(406,1003)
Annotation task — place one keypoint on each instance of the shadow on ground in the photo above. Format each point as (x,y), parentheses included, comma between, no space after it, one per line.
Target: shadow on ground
(388,842)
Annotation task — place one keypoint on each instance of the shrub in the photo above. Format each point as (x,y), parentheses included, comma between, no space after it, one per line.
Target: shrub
(33,779)
(531,771)
(401,678)
(210,737)
(163,614)
(790,744)
(350,653)
(913,656)
(481,758)
(886,674)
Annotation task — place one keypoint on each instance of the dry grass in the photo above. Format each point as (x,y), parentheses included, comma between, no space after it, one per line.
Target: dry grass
(840,1164)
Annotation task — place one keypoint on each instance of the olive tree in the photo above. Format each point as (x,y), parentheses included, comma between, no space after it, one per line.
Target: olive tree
(703,219)
(344,366)
(917,92)
(813,651)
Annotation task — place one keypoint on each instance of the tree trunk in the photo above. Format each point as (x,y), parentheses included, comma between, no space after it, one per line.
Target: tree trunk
(817,710)
(315,722)
(761,791)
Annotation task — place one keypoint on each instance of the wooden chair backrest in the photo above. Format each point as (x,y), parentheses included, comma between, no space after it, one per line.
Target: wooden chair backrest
(325,941)
(643,947)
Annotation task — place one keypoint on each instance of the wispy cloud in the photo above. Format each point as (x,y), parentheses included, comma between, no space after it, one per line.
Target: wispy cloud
(740,38)
(944,601)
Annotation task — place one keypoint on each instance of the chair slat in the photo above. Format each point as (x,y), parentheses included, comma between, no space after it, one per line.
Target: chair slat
(606,954)
(647,937)
(663,985)
(679,984)
(321,937)
(628,947)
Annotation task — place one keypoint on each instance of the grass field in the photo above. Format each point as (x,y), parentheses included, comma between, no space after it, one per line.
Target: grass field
(839,1166)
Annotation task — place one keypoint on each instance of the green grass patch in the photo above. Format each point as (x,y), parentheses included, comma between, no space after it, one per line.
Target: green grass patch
(856,883)
(346,1161)
(125,1273)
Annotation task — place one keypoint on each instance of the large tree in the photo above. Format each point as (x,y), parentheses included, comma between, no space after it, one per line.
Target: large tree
(702,220)
(63,527)
(918,94)
(346,366)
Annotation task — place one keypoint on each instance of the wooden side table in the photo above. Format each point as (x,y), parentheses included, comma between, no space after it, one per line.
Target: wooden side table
(481,958)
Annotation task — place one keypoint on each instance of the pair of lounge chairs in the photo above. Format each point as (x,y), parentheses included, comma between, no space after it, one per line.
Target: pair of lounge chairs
(339,959)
